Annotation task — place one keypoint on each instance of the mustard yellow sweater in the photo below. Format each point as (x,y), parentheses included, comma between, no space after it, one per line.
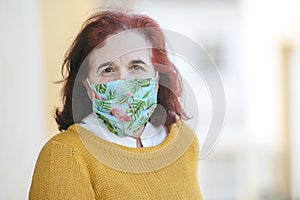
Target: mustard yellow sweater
(76,164)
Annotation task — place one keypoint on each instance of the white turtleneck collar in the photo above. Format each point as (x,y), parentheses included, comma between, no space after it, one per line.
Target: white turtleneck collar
(151,135)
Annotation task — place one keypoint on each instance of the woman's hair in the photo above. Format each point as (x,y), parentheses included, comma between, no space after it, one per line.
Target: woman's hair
(94,31)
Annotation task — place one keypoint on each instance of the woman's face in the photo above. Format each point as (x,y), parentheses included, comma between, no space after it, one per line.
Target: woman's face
(123,56)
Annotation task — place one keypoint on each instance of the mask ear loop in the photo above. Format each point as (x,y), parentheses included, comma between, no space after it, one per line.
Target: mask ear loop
(156,74)
(90,85)
(157,80)
(88,82)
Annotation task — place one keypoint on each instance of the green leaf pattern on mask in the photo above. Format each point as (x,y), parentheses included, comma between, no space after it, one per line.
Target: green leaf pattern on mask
(101,88)
(107,124)
(106,105)
(147,94)
(133,86)
(111,95)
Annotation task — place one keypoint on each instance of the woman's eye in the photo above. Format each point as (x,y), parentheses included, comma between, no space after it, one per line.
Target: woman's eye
(107,70)
(136,67)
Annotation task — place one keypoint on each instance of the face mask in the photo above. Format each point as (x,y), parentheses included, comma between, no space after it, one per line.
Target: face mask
(124,106)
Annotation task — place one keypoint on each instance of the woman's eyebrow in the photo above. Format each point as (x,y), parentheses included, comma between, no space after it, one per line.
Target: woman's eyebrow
(137,62)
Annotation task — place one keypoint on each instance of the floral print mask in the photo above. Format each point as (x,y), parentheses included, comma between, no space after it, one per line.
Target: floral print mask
(124,106)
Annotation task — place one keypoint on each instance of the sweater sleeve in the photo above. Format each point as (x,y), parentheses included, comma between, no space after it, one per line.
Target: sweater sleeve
(60,174)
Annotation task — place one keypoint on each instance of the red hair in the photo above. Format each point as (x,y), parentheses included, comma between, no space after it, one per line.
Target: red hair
(94,31)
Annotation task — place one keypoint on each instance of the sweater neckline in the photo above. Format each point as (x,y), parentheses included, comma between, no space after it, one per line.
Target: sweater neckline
(137,160)
(151,135)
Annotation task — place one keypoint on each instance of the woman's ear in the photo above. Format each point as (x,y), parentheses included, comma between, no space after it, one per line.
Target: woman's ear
(88,88)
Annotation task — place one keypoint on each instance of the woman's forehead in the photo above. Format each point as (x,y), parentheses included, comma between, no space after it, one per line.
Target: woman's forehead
(125,44)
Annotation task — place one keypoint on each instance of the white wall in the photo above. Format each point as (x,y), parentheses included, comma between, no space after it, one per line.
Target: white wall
(267,26)
(21,102)
(294,111)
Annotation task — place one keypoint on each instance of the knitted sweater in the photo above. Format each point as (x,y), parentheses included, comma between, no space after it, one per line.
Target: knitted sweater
(76,164)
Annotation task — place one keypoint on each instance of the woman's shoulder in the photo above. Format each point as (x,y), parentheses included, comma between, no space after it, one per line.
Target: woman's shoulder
(67,139)
(182,127)
(182,133)
(186,133)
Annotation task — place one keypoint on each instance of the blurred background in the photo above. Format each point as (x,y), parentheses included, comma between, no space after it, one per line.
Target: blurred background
(255,44)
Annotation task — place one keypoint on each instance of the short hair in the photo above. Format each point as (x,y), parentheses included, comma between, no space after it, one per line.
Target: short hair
(96,30)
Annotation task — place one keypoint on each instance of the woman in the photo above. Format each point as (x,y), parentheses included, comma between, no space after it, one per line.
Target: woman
(122,135)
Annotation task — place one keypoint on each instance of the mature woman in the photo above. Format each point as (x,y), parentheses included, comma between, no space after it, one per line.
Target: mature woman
(122,134)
